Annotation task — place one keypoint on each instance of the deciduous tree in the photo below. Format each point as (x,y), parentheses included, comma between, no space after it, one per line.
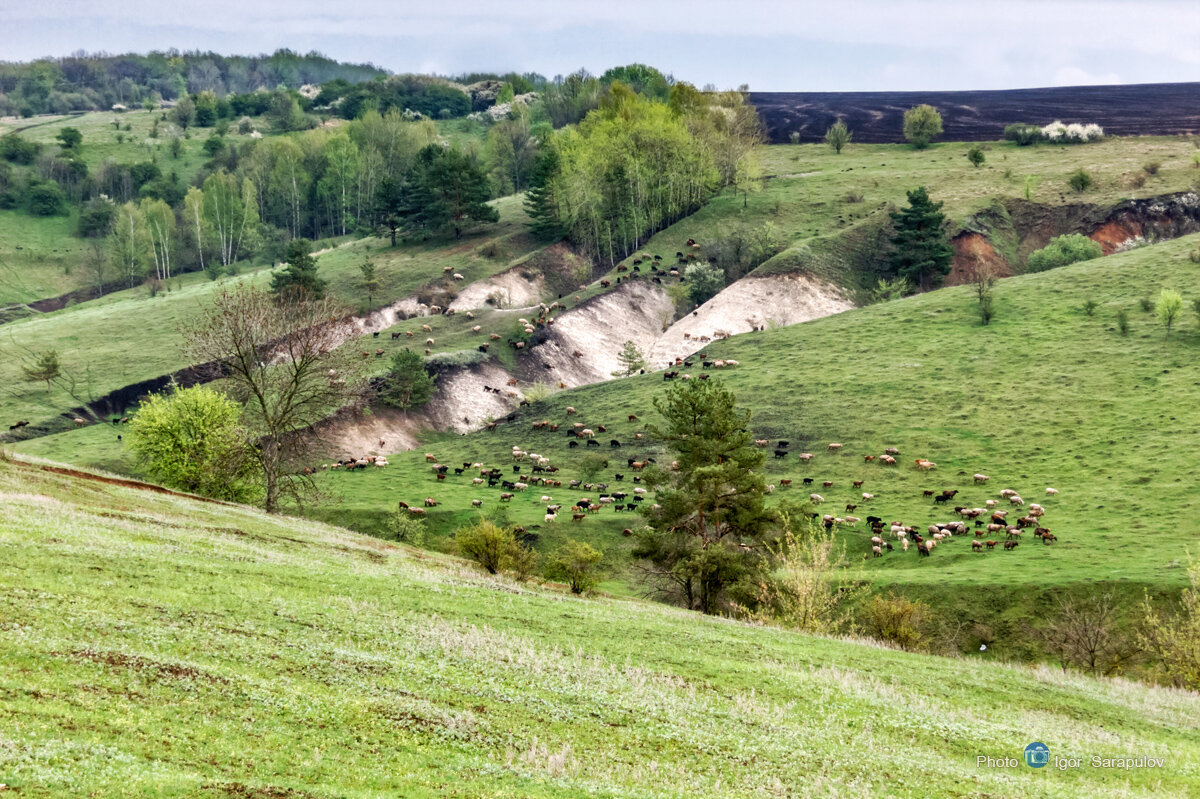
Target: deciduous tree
(283,361)
(922,124)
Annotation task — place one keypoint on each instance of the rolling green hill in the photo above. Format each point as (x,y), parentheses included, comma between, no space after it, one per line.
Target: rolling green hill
(156,645)
(1046,396)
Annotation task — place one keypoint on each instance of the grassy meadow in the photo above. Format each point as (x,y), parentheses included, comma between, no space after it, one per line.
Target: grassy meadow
(154,645)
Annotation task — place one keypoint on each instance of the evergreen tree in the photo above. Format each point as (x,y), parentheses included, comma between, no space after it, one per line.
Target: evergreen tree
(539,198)
(446,188)
(407,384)
(632,360)
(390,206)
(708,533)
(920,251)
(298,279)
(369,281)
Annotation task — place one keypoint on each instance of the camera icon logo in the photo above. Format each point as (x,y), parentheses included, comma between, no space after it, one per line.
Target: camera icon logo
(1037,755)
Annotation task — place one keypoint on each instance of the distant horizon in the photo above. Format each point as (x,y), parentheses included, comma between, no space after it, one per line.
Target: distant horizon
(857,45)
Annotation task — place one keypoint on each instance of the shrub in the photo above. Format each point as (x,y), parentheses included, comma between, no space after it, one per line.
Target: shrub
(19,151)
(1146,304)
(838,136)
(1167,308)
(975,156)
(1064,250)
(1123,322)
(1089,307)
(577,564)
(1151,167)
(1080,180)
(853,197)
(887,290)
(45,199)
(407,528)
(898,620)
(1196,309)
(1023,134)
(491,546)
(192,439)
(1176,641)
(1072,134)
(987,309)
(794,137)
(704,281)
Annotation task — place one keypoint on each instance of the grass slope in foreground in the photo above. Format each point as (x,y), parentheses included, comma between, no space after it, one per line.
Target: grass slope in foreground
(154,645)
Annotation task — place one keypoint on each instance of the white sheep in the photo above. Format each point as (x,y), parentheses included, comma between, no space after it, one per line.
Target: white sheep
(816,498)
(1051,492)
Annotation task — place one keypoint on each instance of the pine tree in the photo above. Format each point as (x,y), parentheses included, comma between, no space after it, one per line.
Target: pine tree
(446,188)
(632,360)
(298,278)
(708,532)
(539,197)
(920,250)
(407,384)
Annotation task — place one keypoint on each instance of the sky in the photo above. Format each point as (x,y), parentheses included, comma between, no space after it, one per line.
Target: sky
(837,45)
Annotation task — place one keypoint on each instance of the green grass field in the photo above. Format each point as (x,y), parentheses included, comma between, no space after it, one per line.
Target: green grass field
(154,645)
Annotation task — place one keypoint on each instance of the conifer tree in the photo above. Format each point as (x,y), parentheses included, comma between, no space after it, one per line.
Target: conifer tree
(920,251)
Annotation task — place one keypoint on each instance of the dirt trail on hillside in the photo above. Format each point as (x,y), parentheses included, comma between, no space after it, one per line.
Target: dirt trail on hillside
(597,330)
(748,304)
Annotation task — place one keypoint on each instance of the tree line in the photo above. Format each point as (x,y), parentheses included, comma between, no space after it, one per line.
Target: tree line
(634,165)
(90,82)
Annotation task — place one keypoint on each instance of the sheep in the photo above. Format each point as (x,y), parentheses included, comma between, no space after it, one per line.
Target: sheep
(457,276)
(551,517)
(925,465)
(1006,493)
(981,478)
(816,498)
(430,458)
(835,447)
(867,497)
(806,456)
(477,503)
(430,502)
(1015,499)
(426,329)
(876,551)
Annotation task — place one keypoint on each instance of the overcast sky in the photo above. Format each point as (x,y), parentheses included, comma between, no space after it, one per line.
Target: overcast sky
(837,45)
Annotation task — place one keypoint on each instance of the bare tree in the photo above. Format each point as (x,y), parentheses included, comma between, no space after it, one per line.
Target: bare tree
(1085,633)
(285,362)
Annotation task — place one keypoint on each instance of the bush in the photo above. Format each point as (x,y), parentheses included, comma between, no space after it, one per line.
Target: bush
(407,528)
(704,281)
(192,439)
(887,290)
(1089,307)
(45,199)
(1151,167)
(1063,250)
(898,620)
(19,151)
(1146,304)
(1167,308)
(987,309)
(975,156)
(491,546)
(1024,135)
(577,564)
(1080,180)
(1074,133)
(1176,641)
(1123,322)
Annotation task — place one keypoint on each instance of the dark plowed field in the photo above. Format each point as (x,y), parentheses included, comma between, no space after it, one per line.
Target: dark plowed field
(1148,109)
